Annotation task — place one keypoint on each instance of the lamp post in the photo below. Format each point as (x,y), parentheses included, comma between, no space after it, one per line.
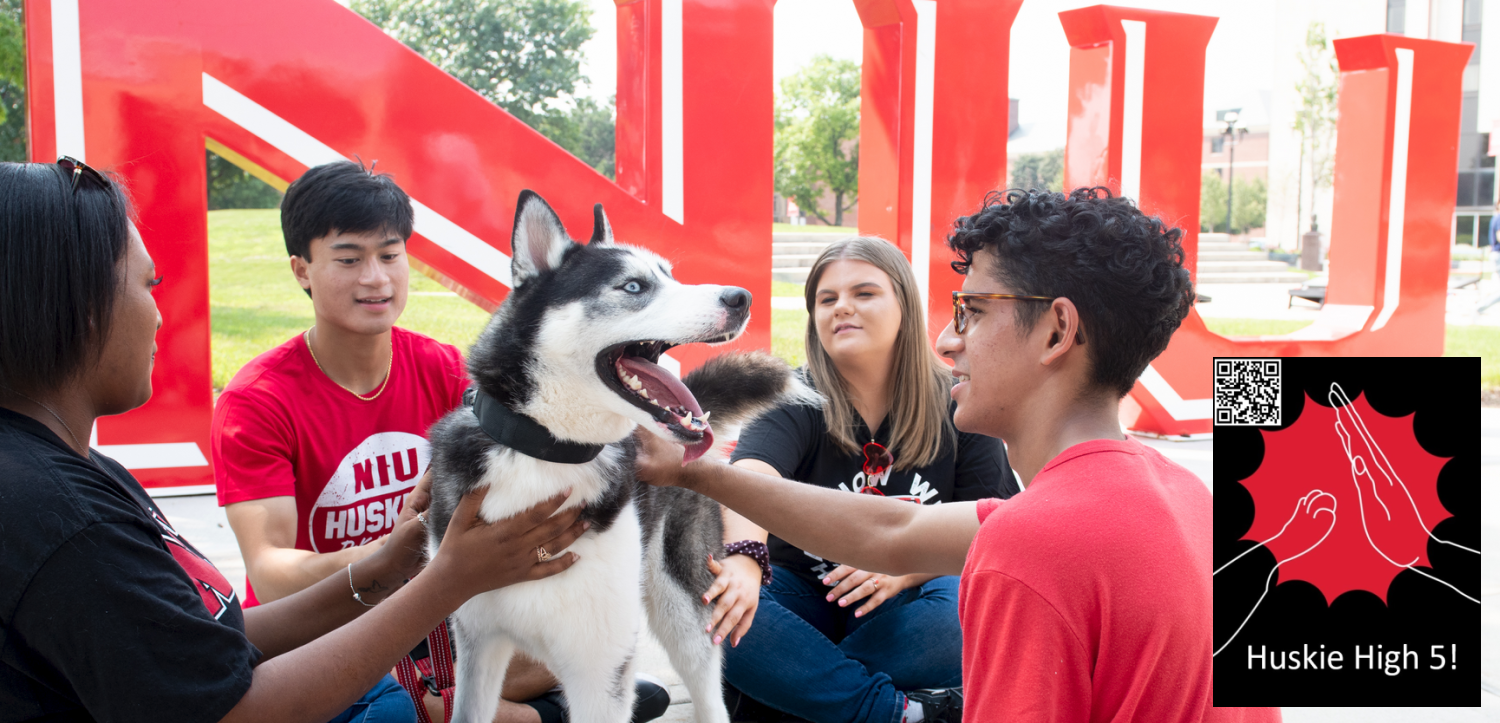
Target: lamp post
(1227,119)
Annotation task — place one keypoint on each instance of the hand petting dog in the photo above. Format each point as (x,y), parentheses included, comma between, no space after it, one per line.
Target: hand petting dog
(468,556)
(736,589)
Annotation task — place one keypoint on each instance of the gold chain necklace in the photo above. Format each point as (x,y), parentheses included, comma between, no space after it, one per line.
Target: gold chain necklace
(308,340)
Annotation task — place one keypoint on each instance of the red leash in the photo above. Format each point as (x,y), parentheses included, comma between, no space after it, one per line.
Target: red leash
(433,674)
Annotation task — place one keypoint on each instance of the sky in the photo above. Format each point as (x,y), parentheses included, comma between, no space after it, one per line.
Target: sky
(1238,72)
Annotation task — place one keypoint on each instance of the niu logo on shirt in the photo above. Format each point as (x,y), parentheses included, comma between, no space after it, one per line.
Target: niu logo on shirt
(217,595)
(364,497)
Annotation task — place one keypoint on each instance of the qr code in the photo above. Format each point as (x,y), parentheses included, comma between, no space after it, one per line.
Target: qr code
(1247,392)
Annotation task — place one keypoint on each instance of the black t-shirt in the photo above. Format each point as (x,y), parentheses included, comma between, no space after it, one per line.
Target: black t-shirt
(794,440)
(106,613)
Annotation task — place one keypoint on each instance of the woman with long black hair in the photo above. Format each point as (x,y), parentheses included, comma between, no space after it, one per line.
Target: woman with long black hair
(106,613)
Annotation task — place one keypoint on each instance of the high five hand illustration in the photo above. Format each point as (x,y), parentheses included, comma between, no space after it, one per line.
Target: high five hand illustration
(1310,524)
(1389,515)
(1393,511)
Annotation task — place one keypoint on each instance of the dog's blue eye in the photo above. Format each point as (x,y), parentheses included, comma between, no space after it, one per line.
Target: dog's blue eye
(632,287)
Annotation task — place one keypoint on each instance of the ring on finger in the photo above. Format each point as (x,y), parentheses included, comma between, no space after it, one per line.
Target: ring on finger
(422,518)
(542,555)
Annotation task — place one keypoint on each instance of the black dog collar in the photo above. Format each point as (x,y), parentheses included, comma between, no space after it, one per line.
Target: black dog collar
(523,434)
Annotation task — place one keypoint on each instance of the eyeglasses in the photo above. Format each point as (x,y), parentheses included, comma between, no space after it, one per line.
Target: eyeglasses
(79,169)
(961,310)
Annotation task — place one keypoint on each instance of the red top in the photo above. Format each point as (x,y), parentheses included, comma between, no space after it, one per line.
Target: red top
(1089,596)
(282,428)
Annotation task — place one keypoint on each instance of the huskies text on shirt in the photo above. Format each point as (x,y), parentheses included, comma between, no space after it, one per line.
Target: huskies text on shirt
(283,428)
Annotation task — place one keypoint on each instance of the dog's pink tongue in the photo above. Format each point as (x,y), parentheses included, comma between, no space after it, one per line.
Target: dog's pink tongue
(699,448)
(667,390)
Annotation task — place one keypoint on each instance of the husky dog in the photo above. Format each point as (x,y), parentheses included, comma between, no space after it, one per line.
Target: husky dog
(563,374)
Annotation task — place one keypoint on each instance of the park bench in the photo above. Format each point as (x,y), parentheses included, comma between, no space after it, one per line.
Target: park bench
(1314,290)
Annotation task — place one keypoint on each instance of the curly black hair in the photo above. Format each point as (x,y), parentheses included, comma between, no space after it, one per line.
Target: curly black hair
(1121,268)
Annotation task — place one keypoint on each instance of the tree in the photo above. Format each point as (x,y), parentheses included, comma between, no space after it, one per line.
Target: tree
(817,136)
(523,55)
(1213,198)
(1318,91)
(587,131)
(1041,171)
(1249,204)
(13,135)
(230,186)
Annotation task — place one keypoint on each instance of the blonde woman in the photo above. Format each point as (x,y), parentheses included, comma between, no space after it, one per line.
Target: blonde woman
(833,643)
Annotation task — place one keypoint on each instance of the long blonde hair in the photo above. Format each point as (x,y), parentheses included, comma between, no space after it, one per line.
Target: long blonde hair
(919,380)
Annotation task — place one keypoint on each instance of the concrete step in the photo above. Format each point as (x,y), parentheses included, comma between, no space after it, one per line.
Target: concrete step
(797,275)
(1231,256)
(1250,278)
(796,247)
(807,238)
(787,261)
(1242,267)
(1204,246)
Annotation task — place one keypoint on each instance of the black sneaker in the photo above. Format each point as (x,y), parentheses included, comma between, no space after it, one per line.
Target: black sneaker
(940,704)
(651,701)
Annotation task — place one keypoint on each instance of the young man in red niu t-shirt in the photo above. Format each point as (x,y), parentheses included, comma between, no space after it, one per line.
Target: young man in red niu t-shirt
(317,442)
(1088,596)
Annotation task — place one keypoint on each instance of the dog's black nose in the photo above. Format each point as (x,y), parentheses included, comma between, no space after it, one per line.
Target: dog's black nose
(735,298)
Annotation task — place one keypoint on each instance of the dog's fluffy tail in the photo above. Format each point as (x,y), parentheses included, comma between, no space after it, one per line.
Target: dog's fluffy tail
(739,386)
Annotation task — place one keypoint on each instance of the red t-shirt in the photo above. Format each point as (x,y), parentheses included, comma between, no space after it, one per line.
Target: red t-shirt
(1088,597)
(283,428)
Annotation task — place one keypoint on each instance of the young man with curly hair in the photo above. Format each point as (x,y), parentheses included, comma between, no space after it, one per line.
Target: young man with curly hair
(1088,596)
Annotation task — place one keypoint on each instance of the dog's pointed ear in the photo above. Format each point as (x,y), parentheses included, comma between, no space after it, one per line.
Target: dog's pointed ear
(538,240)
(603,234)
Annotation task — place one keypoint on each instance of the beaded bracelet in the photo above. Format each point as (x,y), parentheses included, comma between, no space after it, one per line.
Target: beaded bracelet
(755,550)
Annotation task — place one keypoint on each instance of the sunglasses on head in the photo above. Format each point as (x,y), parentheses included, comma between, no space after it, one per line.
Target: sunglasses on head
(962,312)
(79,170)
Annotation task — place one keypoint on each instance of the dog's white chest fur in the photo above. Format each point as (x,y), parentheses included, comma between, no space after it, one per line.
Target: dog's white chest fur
(583,623)
(605,582)
(518,482)
(592,609)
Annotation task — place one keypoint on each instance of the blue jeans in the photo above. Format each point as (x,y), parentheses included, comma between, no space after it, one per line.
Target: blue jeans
(811,658)
(387,702)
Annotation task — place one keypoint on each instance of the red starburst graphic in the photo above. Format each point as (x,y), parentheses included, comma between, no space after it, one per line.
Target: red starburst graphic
(1386,491)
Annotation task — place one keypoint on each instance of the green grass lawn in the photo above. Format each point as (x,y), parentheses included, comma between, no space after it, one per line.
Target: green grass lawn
(788,328)
(1253,327)
(786,288)
(1480,341)
(256,304)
